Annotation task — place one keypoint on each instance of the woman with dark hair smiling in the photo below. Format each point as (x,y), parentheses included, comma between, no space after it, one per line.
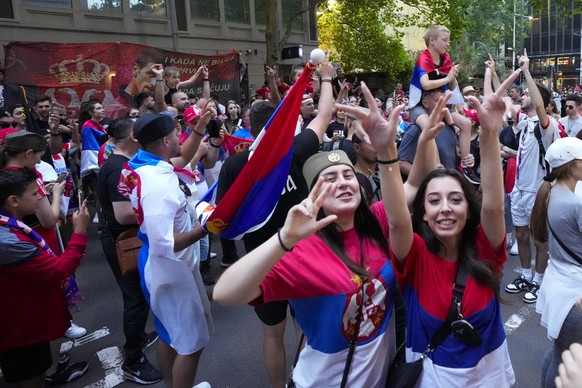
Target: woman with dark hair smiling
(449,257)
(344,300)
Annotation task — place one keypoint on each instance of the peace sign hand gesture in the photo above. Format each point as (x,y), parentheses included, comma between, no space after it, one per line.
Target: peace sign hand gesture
(378,132)
(302,220)
(491,112)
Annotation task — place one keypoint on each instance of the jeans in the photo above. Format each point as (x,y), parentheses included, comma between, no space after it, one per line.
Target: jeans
(229,252)
(570,332)
(135,306)
(204,248)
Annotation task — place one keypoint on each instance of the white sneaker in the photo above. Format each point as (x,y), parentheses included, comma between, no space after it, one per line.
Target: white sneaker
(203,384)
(75,331)
(514,250)
(213,255)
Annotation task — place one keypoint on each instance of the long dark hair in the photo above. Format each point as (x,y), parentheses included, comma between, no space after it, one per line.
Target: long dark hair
(479,269)
(367,228)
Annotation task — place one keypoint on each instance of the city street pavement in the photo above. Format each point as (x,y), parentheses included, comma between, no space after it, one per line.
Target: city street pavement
(233,357)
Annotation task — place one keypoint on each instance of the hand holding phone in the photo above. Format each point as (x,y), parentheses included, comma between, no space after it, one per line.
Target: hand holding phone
(213,128)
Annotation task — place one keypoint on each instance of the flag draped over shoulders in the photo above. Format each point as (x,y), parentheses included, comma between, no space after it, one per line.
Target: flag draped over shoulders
(250,201)
(92,136)
(425,65)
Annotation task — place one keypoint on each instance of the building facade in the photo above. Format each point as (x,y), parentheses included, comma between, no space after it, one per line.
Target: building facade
(554,48)
(204,27)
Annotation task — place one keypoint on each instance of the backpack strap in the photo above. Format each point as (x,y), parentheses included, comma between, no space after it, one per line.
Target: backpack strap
(542,157)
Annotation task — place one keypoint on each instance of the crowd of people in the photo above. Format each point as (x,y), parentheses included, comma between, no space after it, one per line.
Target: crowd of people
(387,243)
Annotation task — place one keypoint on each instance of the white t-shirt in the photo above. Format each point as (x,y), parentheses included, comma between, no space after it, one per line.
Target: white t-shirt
(529,170)
(572,127)
(563,279)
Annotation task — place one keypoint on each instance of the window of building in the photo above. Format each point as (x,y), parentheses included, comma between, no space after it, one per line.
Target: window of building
(237,11)
(538,65)
(290,8)
(50,3)
(181,15)
(7,12)
(104,5)
(313,22)
(205,10)
(148,7)
(260,13)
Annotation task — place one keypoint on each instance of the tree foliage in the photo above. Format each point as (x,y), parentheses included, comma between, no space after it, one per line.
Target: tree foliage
(490,27)
(357,31)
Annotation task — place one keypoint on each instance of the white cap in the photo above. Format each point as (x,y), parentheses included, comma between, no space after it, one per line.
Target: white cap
(563,151)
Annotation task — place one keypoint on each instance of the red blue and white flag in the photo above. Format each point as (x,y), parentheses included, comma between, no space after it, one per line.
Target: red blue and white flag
(92,136)
(425,65)
(250,201)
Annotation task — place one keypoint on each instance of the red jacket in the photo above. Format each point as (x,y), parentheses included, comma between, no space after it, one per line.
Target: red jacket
(33,307)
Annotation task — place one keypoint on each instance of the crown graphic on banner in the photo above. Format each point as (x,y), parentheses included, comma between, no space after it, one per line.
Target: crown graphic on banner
(79,71)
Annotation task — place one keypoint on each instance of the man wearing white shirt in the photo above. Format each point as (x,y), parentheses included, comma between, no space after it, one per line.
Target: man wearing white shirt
(572,123)
(530,171)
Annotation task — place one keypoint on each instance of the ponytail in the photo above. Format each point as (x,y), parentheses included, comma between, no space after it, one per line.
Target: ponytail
(539,215)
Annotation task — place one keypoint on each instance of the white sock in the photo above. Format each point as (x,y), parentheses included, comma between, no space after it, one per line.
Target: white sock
(526,272)
(538,278)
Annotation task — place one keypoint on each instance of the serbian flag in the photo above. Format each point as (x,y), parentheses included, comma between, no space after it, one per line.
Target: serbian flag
(232,144)
(425,65)
(92,136)
(250,201)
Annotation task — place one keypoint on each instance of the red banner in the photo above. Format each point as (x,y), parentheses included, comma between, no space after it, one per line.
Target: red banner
(113,72)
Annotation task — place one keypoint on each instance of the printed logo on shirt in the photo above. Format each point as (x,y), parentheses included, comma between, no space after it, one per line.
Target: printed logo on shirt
(373,311)
(289,186)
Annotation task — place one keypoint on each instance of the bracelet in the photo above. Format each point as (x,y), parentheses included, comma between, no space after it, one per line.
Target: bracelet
(198,133)
(281,242)
(385,162)
(205,79)
(326,80)
(212,145)
(159,79)
(55,134)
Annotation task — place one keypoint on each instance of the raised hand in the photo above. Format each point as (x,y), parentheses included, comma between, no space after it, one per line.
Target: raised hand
(523,61)
(491,112)
(435,119)
(302,220)
(158,70)
(205,71)
(81,218)
(378,132)
(325,69)
(454,73)
(271,73)
(490,63)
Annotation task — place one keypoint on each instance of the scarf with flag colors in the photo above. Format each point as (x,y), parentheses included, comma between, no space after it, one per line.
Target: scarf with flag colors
(250,201)
(425,65)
